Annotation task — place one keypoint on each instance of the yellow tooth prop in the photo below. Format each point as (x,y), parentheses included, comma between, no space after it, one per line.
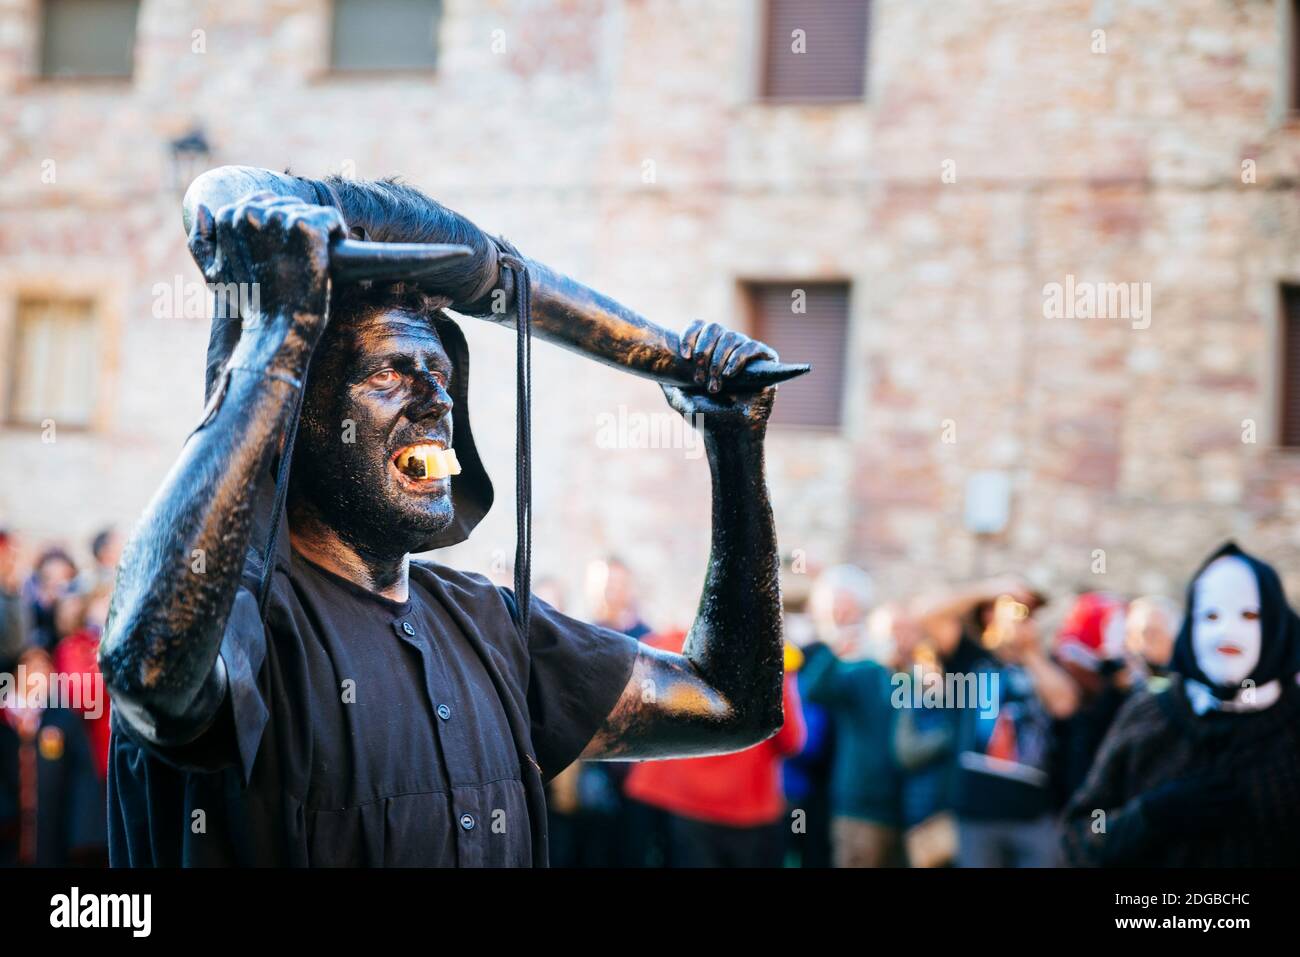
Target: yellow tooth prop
(438,463)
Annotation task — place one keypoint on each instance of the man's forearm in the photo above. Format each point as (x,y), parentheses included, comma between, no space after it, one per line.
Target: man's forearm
(1053,685)
(578,318)
(181,567)
(736,640)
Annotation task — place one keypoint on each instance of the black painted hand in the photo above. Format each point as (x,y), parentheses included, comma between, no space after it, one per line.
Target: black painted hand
(743,413)
(277,249)
(719,352)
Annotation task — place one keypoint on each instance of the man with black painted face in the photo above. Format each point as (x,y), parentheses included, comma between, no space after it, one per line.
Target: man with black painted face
(375,709)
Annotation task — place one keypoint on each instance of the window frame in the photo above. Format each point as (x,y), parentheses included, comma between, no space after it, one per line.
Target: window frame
(762,70)
(333,72)
(83,282)
(747,291)
(1287,290)
(38,75)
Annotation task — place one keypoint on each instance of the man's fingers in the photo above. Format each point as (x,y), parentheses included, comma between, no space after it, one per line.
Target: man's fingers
(203,238)
(230,252)
(689,336)
(327,219)
(703,351)
(253,213)
(723,353)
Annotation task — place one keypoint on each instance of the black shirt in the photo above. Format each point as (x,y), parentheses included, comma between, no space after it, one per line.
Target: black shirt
(359,731)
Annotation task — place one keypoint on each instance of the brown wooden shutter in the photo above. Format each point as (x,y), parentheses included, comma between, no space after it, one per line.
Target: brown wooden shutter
(1293,57)
(833,64)
(1289,392)
(819,335)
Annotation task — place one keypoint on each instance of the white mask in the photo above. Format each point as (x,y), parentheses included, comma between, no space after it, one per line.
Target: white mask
(1226,632)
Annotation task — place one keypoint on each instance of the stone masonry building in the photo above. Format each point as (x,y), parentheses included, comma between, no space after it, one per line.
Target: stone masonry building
(1065,231)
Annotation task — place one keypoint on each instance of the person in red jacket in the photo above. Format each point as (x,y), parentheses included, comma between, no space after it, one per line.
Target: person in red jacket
(726,810)
(81,619)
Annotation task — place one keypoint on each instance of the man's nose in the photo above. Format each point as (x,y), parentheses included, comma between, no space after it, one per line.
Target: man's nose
(430,399)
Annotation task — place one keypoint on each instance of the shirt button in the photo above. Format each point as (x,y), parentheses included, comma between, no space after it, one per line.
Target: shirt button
(444,712)
(467,821)
(406,627)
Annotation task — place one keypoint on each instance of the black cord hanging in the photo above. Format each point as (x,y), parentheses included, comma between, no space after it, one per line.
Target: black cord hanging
(523,434)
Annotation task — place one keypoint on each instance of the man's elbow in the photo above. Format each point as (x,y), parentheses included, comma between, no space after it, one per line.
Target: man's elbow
(757,726)
(133,673)
(165,709)
(123,657)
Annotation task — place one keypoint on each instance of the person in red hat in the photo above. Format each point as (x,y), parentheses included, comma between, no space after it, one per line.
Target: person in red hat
(1090,646)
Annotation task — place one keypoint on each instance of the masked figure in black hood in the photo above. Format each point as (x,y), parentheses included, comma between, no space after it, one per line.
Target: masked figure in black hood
(290,687)
(1206,772)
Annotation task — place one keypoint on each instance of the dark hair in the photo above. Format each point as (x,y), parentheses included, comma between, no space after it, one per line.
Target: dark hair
(55,554)
(100,540)
(388,210)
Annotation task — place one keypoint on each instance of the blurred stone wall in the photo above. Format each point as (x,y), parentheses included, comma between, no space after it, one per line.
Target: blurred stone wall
(997,150)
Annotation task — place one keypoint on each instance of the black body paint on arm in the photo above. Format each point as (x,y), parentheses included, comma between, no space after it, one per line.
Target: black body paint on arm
(723,693)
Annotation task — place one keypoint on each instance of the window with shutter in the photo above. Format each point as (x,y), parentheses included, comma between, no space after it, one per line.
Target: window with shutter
(805,322)
(815,50)
(385,35)
(55,365)
(1292,59)
(1289,390)
(88,38)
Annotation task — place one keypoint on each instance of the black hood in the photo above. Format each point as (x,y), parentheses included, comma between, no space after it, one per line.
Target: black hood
(471,490)
(1279,652)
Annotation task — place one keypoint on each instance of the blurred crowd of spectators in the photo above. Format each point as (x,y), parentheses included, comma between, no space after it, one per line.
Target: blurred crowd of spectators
(54,725)
(945,729)
(877,765)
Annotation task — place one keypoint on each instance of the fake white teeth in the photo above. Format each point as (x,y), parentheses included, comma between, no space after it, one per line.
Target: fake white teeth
(427,462)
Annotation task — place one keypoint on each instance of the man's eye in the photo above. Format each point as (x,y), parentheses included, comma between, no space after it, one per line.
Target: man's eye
(385,379)
(1250,615)
(1211,616)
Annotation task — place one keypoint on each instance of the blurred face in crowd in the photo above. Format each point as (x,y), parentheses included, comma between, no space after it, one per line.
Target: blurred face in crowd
(620,594)
(54,577)
(892,635)
(1226,631)
(37,667)
(611,591)
(847,622)
(1011,632)
(109,553)
(96,614)
(839,604)
(69,615)
(1150,633)
(846,610)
